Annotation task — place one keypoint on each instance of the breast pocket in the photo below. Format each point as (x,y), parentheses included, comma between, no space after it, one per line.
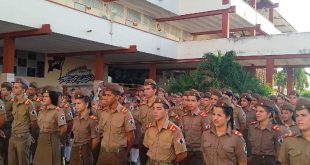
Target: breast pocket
(228,152)
(295,155)
(117,127)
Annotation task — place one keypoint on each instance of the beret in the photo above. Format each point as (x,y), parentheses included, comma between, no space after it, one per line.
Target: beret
(114,87)
(149,82)
(302,103)
(162,101)
(223,102)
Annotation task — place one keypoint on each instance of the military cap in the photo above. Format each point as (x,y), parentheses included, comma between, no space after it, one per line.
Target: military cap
(22,81)
(227,92)
(34,85)
(273,97)
(7,85)
(186,93)
(249,92)
(149,82)
(257,96)
(162,101)
(179,94)
(139,88)
(216,92)
(193,92)
(288,106)
(237,96)
(206,95)
(114,87)
(246,96)
(47,89)
(223,102)
(161,89)
(294,93)
(82,93)
(302,103)
(267,103)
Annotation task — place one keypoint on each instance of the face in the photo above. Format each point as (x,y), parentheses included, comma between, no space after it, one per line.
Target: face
(31,91)
(141,94)
(159,111)
(244,103)
(214,99)
(4,92)
(254,102)
(286,115)
(161,94)
(109,98)
(80,105)
(303,119)
(205,101)
(149,91)
(184,101)
(17,89)
(135,104)
(192,103)
(293,99)
(219,118)
(262,114)
(46,99)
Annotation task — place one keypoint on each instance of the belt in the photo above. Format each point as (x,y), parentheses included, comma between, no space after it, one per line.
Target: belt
(193,149)
(21,135)
(155,162)
(264,156)
(120,149)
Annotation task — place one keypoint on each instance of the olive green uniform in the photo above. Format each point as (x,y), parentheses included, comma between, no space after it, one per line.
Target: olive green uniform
(2,135)
(239,117)
(48,149)
(35,132)
(85,128)
(250,114)
(8,102)
(227,149)
(115,123)
(163,145)
(194,124)
(20,141)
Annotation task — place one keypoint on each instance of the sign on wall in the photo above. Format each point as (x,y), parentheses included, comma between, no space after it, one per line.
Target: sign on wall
(79,75)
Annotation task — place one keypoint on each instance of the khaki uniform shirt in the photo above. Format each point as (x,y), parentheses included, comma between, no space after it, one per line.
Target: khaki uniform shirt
(138,134)
(8,102)
(291,128)
(2,108)
(36,102)
(164,144)
(145,115)
(180,110)
(239,117)
(84,129)
(23,113)
(266,141)
(295,151)
(250,116)
(116,123)
(193,127)
(50,119)
(227,149)
(68,112)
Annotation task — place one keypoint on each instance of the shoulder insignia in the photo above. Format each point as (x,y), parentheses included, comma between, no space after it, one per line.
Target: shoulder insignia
(275,127)
(27,102)
(124,110)
(38,99)
(177,117)
(185,114)
(207,127)
(237,133)
(254,122)
(149,125)
(203,114)
(291,134)
(172,127)
(57,109)
(93,117)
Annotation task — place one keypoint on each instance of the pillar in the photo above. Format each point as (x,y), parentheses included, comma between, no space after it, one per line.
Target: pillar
(269,70)
(225,24)
(253,4)
(8,60)
(290,79)
(99,66)
(152,72)
(271,14)
(252,32)
(225,2)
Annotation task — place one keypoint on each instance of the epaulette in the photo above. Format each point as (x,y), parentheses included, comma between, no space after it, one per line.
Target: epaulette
(237,133)
(177,117)
(57,109)
(207,127)
(254,122)
(291,134)
(172,127)
(275,127)
(203,114)
(38,99)
(27,102)
(185,114)
(93,117)
(12,100)
(124,110)
(149,125)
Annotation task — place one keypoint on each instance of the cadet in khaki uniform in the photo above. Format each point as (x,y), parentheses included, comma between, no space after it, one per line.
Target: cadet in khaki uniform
(25,117)
(6,89)
(118,128)
(2,135)
(205,101)
(221,144)
(295,150)
(194,123)
(52,124)
(145,115)
(164,140)
(293,96)
(215,96)
(264,136)
(287,115)
(85,130)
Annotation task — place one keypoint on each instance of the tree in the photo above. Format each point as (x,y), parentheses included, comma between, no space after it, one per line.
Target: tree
(300,79)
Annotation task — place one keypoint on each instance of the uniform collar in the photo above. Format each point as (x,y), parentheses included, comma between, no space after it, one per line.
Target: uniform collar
(165,126)
(7,98)
(150,103)
(249,109)
(86,115)
(51,107)
(196,112)
(34,98)
(22,100)
(269,126)
(118,108)
(228,132)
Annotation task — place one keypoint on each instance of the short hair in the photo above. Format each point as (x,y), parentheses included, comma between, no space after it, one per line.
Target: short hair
(24,82)
(7,85)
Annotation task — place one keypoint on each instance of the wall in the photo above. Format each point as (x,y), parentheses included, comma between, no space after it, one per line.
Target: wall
(170,5)
(195,6)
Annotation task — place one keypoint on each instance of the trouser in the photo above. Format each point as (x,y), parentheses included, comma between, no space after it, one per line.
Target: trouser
(193,157)
(96,153)
(263,160)
(19,149)
(81,155)
(247,142)
(154,162)
(5,141)
(33,147)
(142,152)
(112,156)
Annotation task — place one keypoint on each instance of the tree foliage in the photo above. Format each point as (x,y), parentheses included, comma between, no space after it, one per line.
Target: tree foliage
(218,71)
(300,79)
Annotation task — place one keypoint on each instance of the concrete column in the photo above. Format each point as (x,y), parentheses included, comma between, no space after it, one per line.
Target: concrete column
(269,70)
(290,79)
(225,24)
(152,71)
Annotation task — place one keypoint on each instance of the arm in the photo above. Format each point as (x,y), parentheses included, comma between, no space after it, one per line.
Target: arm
(130,140)
(63,130)
(242,162)
(180,157)
(95,142)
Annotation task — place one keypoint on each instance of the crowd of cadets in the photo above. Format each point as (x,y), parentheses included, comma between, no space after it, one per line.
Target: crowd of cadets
(43,126)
